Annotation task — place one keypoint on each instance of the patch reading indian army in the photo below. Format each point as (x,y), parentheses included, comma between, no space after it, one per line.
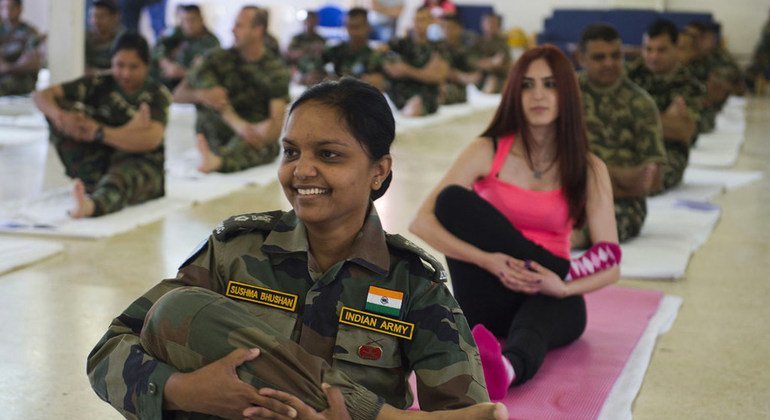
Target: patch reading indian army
(251,293)
(384,301)
(374,322)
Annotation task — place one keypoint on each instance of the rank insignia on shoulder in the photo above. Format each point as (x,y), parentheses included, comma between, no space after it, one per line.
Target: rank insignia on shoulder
(377,323)
(261,295)
(384,301)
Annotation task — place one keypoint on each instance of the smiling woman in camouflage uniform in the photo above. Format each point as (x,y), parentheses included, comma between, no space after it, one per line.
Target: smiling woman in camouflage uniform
(322,291)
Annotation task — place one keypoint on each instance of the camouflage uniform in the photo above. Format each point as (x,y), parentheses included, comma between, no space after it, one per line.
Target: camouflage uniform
(14,42)
(250,86)
(487,48)
(459,58)
(98,50)
(760,61)
(182,50)
(718,62)
(113,178)
(312,46)
(247,282)
(663,90)
(624,130)
(416,55)
(355,63)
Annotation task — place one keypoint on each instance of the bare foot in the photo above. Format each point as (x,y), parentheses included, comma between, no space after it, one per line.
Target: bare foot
(84,206)
(209,161)
(413,107)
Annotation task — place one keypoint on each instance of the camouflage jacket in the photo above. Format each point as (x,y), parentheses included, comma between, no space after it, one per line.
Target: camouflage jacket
(623,123)
(98,50)
(349,62)
(100,97)
(250,85)
(311,48)
(663,89)
(486,48)
(377,316)
(181,49)
(14,42)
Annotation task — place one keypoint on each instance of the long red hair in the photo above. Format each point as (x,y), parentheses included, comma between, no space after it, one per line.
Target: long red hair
(571,138)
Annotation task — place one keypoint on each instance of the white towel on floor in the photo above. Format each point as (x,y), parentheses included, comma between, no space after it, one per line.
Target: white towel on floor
(727,178)
(17,252)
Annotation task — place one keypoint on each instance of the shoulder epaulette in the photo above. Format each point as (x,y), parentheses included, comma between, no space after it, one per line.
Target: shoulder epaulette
(245,223)
(431,263)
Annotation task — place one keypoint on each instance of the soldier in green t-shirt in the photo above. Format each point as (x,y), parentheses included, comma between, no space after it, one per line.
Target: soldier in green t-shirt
(458,52)
(493,56)
(273,305)
(177,52)
(305,52)
(354,57)
(104,18)
(415,69)
(624,128)
(19,56)
(678,95)
(240,95)
(108,131)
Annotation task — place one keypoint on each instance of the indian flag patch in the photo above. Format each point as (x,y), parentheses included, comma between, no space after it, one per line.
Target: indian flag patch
(384,301)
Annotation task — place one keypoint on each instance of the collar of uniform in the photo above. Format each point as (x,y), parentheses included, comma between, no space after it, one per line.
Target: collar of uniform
(369,248)
(606,89)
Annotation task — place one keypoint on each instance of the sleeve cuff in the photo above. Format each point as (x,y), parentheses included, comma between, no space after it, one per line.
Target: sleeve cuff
(150,405)
(363,404)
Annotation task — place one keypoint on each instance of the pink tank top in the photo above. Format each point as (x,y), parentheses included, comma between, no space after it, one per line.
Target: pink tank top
(541,216)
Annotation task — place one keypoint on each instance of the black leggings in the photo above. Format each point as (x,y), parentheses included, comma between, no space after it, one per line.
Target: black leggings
(533,324)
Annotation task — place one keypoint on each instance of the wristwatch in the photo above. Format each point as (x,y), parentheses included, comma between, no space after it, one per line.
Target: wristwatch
(99,135)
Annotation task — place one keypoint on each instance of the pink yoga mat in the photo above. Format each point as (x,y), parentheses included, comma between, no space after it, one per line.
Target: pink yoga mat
(574,381)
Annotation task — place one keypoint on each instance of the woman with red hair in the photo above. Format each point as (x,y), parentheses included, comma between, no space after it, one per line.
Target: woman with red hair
(503,216)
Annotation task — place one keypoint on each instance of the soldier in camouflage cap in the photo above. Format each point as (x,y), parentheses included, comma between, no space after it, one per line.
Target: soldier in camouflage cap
(415,69)
(240,95)
(493,55)
(678,95)
(459,55)
(178,51)
(19,56)
(624,128)
(354,57)
(322,291)
(305,52)
(104,18)
(108,131)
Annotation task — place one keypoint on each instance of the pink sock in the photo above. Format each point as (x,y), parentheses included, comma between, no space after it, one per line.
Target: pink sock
(599,257)
(498,371)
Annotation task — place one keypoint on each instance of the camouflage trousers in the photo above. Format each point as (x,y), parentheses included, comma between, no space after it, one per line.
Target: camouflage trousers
(190,327)
(17,84)
(707,121)
(113,179)
(236,154)
(678,155)
(499,79)
(401,91)
(454,94)
(630,214)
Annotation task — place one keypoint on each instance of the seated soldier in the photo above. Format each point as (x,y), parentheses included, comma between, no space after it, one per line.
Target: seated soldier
(459,56)
(624,128)
(354,57)
(108,131)
(104,18)
(240,95)
(416,69)
(175,53)
(19,56)
(678,95)
(305,53)
(494,56)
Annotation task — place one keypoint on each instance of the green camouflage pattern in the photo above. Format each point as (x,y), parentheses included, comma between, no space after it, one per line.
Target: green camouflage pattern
(460,57)
(720,63)
(312,47)
(113,178)
(14,42)
(760,60)
(182,50)
(624,130)
(250,86)
(663,90)
(144,345)
(98,50)
(416,55)
(355,63)
(489,47)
